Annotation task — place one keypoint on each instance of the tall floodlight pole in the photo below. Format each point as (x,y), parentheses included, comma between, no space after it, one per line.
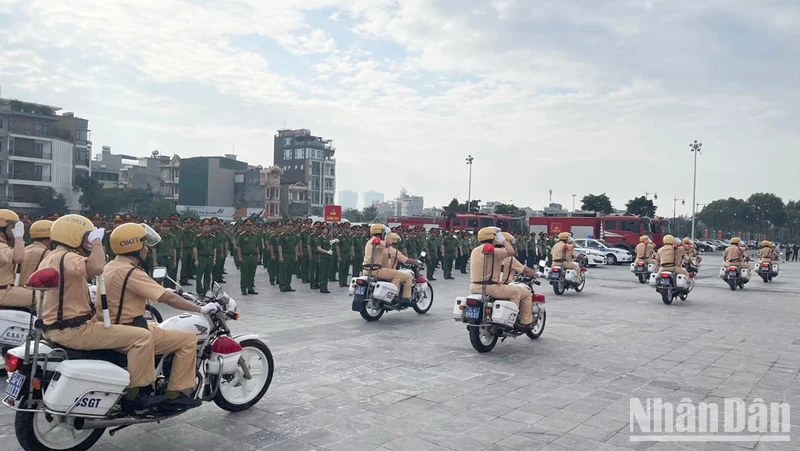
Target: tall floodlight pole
(674,210)
(695,148)
(469,190)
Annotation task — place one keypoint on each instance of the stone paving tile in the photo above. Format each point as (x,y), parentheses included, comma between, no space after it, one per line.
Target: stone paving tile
(413,381)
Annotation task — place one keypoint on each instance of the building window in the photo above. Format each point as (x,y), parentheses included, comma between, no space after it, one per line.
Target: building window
(11,146)
(39,150)
(287,141)
(287,154)
(301,167)
(315,169)
(299,154)
(1,122)
(80,134)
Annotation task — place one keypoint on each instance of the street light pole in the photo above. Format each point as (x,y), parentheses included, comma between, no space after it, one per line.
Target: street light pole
(695,148)
(655,195)
(674,209)
(573,202)
(469,190)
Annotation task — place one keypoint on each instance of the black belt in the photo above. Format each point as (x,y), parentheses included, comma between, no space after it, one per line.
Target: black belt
(668,266)
(3,287)
(373,266)
(560,261)
(485,283)
(735,260)
(70,323)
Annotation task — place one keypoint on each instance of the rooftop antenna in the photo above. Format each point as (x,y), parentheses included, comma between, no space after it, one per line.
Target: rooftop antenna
(551,196)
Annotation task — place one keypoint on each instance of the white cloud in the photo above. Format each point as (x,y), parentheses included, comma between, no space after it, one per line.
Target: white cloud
(567,92)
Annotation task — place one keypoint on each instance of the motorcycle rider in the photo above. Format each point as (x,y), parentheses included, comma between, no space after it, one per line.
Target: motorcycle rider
(671,255)
(645,251)
(376,262)
(37,250)
(562,255)
(767,254)
(486,263)
(67,315)
(394,256)
(735,254)
(12,229)
(129,287)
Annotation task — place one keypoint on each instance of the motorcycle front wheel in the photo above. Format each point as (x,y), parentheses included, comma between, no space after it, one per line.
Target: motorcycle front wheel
(424,300)
(537,330)
(580,287)
(480,341)
(237,393)
(39,431)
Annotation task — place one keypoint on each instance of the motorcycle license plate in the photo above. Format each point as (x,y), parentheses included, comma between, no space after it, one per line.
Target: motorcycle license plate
(473,313)
(555,276)
(361,290)
(640,269)
(15,383)
(665,282)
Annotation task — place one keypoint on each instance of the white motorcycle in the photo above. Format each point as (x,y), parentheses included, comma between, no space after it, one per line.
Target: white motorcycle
(65,398)
(488,319)
(372,297)
(642,270)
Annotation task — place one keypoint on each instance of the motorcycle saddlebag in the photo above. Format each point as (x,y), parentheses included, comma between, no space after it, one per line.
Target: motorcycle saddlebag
(504,313)
(88,383)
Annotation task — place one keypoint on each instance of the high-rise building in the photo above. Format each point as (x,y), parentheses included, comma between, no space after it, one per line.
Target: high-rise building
(206,185)
(308,160)
(348,199)
(38,154)
(406,205)
(371,197)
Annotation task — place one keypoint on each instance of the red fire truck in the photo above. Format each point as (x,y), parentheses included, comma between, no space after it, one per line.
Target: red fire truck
(618,230)
(460,221)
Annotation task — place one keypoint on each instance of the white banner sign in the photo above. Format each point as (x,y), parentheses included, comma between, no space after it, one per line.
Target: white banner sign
(205,211)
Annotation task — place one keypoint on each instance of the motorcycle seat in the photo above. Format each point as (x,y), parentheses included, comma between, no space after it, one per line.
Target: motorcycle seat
(18,309)
(106,355)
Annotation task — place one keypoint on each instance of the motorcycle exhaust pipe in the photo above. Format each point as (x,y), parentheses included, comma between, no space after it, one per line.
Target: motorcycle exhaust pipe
(110,423)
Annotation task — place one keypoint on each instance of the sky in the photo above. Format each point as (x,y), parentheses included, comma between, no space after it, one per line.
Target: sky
(576,96)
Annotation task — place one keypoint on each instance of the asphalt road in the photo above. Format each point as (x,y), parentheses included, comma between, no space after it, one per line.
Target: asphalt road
(413,382)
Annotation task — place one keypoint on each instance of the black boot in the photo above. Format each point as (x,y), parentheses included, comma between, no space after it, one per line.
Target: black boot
(252,291)
(244,292)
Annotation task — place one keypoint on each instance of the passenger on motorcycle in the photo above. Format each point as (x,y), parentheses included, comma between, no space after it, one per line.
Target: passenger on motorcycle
(645,251)
(129,287)
(67,317)
(562,254)
(394,256)
(513,266)
(735,254)
(37,250)
(376,262)
(692,256)
(11,229)
(767,254)
(671,255)
(486,263)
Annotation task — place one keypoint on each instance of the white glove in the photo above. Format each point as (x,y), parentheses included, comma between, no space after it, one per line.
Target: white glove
(334,241)
(455,237)
(497,230)
(209,308)
(19,229)
(387,230)
(330,252)
(500,239)
(97,234)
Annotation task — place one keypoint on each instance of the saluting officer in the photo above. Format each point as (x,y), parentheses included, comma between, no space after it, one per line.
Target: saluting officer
(248,249)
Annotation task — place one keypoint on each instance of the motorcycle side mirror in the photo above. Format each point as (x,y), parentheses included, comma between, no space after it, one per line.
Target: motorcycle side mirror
(159,272)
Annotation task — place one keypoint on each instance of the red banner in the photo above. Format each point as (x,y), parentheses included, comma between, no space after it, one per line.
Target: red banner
(333,213)
(705,234)
(719,234)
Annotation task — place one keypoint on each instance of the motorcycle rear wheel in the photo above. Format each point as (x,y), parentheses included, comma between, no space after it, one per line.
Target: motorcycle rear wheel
(33,437)
(732,283)
(538,329)
(259,348)
(558,288)
(642,278)
(666,297)
(580,287)
(370,314)
(479,341)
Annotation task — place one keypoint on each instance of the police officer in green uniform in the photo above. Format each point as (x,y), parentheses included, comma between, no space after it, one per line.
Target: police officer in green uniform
(264,234)
(324,250)
(432,250)
(248,249)
(345,252)
(219,246)
(274,267)
(358,250)
(204,250)
(333,269)
(287,256)
(167,252)
(189,232)
(313,256)
(450,244)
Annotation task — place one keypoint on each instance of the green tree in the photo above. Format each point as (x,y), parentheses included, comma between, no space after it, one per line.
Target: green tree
(353,215)
(793,219)
(369,214)
(90,190)
(768,211)
(507,209)
(597,202)
(641,206)
(729,215)
(155,207)
(457,207)
(51,202)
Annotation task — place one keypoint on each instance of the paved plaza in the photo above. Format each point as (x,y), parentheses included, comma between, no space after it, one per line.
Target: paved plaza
(414,383)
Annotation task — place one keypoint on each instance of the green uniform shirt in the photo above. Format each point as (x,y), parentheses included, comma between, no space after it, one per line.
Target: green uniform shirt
(345,242)
(205,245)
(288,241)
(249,244)
(187,238)
(165,248)
(451,244)
(323,242)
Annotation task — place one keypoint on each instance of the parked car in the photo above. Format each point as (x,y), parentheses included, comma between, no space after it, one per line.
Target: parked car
(614,255)
(704,246)
(595,256)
